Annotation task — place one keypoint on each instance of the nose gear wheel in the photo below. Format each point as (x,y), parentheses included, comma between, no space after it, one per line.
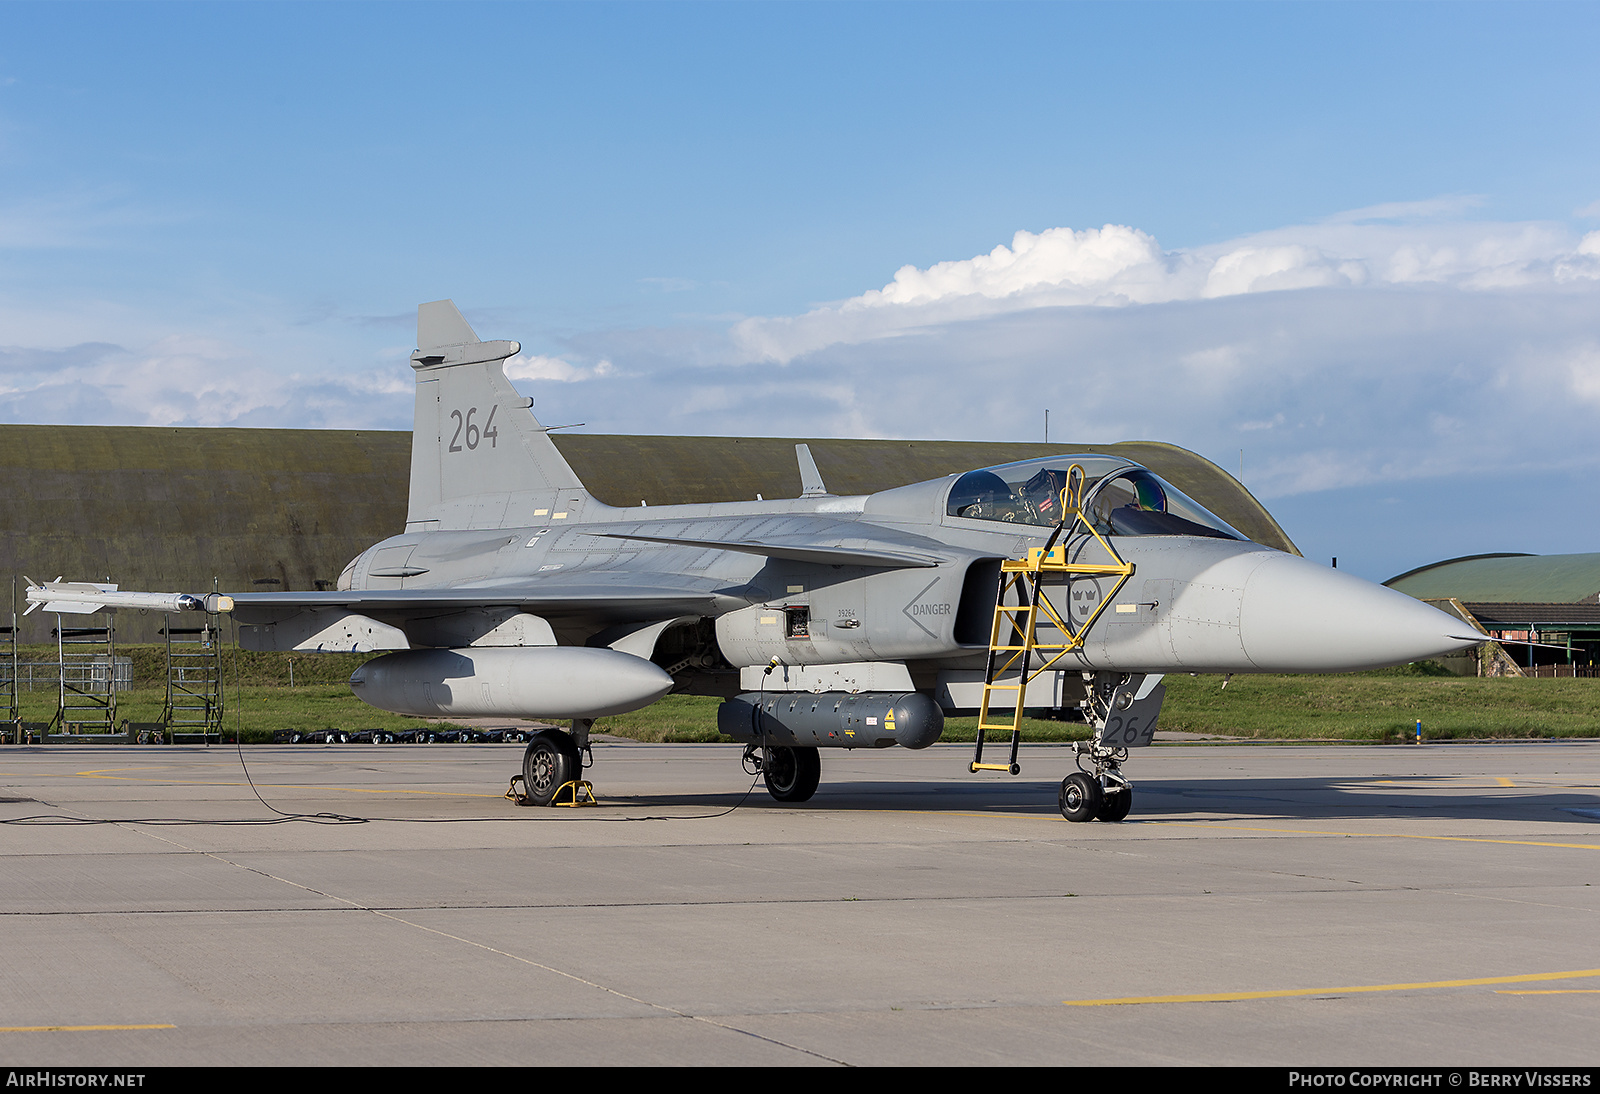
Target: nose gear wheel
(1102,793)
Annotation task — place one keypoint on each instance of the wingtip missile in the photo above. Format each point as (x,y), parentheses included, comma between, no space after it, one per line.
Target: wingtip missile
(88,597)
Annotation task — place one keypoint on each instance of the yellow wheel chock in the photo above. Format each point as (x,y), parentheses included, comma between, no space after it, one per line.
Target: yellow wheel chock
(578,792)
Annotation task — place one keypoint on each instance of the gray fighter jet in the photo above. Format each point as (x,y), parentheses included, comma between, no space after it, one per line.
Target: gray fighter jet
(1070,583)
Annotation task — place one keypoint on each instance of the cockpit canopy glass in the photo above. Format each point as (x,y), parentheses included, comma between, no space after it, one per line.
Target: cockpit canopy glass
(1026,492)
(1138,503)
(1122,498)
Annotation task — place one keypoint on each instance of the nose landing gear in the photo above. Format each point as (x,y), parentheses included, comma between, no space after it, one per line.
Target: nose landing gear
(1103,794)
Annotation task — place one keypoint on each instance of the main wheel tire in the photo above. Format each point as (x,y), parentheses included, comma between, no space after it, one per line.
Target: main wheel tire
(1115,807)
(792,774)
(551,761)
(1080,797)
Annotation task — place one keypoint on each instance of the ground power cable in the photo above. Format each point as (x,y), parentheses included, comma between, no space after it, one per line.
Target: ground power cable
(284,817)
(238,745)
(341,818)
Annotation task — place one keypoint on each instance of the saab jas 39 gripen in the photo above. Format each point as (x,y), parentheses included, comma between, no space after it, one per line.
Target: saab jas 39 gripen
(1071,583)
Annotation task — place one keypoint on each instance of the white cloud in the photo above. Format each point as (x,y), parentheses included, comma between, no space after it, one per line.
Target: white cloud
(1106,266)
(1387,345)
(1103,264)
(1429,209)
(1273,422)
(1363,377)
(191,380)
(529,366)
(1582,367)
(1119,266)
(1266,269)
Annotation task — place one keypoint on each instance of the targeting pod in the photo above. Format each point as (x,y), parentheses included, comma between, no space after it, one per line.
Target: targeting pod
(832,719)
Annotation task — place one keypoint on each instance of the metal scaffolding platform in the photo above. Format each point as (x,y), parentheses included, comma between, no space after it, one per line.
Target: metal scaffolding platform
(87,703)
(11,726)
(194,683)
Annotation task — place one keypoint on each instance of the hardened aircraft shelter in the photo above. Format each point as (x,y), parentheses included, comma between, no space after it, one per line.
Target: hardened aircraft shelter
(285,509)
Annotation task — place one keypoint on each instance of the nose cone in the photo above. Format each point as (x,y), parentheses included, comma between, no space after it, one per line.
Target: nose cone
(1297,616)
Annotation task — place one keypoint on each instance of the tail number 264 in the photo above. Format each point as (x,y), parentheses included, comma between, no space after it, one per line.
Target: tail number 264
(467,430)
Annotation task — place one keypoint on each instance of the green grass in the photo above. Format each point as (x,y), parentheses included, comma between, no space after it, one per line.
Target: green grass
(1371,707)
(260,712)
(258,699)
(1383,706)
(679,719)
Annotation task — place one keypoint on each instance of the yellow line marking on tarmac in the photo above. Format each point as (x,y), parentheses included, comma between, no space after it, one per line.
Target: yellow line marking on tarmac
(111,773)
(76,1029)
(1380,835)
(1552,991)
(1235,996)
(116,773)
(1459,782)
(1426,782)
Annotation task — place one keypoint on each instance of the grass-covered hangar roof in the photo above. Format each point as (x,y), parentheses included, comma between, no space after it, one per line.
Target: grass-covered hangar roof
(165,508)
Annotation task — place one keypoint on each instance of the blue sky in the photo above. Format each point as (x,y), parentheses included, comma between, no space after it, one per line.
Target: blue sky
(1355,241)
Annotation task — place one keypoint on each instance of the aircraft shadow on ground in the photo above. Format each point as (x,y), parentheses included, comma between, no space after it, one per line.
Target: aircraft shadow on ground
(1180,799)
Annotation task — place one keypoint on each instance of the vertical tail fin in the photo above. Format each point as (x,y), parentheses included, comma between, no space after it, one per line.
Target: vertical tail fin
(479,458)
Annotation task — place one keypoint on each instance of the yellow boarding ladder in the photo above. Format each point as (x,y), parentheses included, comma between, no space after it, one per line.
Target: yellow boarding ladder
(1018,603)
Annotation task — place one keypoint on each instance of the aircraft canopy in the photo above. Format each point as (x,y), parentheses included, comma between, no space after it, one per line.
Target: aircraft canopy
(1121,498)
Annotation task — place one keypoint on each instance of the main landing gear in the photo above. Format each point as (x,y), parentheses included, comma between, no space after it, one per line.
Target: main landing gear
(1103,794)
(791,774)
(552,769)
(552,763)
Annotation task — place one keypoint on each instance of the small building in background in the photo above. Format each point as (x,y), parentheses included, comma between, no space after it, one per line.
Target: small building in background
(1553,600)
